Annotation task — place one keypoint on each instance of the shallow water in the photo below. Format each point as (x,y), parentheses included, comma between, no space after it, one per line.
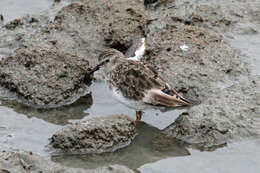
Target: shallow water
(239,157)
(17,131)
(28,128)
(12,9)
(105,104)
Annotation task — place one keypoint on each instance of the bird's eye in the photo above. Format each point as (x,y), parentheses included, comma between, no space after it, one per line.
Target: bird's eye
(107,60)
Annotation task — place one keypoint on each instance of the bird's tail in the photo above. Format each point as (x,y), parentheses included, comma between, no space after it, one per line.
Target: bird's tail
(158,97)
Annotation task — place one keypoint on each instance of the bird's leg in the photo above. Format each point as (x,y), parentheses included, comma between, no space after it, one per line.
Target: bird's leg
(138,115)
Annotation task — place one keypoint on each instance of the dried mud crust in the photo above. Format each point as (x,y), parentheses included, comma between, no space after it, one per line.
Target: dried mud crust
(94,135)
(99,24)
(121,21)
(231,114)
(208,64)
(27,162)
(44,77)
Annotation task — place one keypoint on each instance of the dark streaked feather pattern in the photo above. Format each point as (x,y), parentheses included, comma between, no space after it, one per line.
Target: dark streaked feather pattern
(134,79)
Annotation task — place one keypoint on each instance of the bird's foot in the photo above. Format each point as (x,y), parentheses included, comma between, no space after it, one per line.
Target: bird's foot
(138,116)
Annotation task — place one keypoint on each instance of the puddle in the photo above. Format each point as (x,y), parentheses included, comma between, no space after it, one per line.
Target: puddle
(236,158)
(27,128)
(12,9)
(21,132)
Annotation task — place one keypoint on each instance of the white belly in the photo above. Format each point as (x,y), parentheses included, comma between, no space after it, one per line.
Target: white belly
(136,105)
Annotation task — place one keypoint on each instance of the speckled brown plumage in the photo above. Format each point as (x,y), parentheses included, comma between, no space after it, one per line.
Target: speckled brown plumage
(134,78)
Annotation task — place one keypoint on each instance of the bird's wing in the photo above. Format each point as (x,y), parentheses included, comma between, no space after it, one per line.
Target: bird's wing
(134,78)
(141,82)
(156,96)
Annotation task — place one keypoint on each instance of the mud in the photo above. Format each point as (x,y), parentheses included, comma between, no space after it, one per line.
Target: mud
(222,160)
(224,17)
(221,117)
(27,162)
(94,135)
(188,42)
(208,65)
(121,21)
(91,27)
(76,35)
(44,77)
(192,43)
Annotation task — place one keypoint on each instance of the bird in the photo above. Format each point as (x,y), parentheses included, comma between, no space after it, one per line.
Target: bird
(137,84)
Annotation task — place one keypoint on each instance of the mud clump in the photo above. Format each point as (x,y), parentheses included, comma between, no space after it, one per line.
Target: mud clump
(27,162)
(121,21)
(94,25)
(231,114)
(185,44)
(205,64)
(83,29)
(94,135)
(44,77)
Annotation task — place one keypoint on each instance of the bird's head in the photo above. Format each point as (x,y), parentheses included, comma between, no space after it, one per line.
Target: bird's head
(109,58)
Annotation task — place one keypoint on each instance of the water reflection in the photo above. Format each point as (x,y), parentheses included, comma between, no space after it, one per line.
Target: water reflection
(147,147)
(59,116)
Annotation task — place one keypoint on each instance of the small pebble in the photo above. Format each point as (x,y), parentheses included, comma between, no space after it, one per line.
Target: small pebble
(184,47)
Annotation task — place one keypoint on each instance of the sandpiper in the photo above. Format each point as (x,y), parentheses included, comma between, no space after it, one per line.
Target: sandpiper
(135,83)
